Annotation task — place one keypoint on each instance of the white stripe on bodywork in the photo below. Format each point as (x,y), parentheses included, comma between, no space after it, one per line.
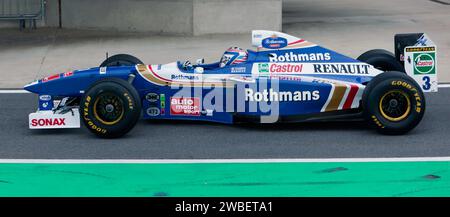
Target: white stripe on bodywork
(358,96)
(344,98)
(330,96)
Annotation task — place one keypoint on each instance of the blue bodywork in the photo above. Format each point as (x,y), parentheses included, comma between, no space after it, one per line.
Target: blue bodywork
(315,84)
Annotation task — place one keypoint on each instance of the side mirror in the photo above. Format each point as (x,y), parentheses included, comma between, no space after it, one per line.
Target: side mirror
(200,61)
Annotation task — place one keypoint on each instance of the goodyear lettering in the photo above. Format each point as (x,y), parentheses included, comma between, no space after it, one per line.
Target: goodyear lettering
(377,122)
(86,117)
(403,84)
(419,49)
(130,102)
(417,97)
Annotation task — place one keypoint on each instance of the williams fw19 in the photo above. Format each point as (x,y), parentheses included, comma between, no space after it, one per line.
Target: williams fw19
(283,79)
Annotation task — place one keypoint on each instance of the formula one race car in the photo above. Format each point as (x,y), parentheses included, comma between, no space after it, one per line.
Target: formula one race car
(287,79)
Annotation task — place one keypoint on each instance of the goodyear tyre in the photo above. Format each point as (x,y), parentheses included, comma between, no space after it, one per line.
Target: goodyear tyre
(382,60)
(110,108)
(121,60)
(393,103)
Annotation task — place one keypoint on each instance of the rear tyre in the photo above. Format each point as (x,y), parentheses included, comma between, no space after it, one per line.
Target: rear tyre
(121,60)
(393,103)
(110,108)
(382,60)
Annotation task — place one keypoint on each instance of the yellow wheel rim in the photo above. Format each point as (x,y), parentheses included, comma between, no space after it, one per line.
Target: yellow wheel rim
(108,108)
(395,105)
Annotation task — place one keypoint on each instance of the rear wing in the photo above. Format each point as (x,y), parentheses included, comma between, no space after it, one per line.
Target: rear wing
(417,52)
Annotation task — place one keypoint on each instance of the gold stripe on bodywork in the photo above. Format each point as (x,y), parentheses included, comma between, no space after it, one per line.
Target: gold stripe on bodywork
(338,94)
(143,70)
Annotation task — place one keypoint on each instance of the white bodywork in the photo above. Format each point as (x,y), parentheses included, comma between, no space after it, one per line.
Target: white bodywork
(51,120)
(427,76)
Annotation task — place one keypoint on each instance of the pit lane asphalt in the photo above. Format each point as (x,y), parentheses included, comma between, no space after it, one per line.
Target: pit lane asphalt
(199,140)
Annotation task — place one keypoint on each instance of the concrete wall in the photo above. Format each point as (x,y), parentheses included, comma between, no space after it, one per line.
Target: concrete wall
(187,17)
(169,16)
(236,16)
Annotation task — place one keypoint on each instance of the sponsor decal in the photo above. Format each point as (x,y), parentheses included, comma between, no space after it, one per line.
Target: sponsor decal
(45,102)
(277,68)
(299,57)
(158,67)
(339,68)
(263,67)
(274,42)
(68,74)
(271,95)
(130,102)
(162,98)
(257,36)
(45,97)
(420,49)
(153,111)
(52,77)
(246,79)
(238,70)
(152,97)
(189,106)
(102,70)
(424,63)
(286,78)
(48,122)
(184,77)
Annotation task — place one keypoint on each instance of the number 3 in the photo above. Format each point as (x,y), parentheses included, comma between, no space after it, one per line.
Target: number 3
(426,85)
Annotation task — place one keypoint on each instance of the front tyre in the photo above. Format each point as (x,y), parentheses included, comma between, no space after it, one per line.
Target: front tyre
(393,103)
(110,108)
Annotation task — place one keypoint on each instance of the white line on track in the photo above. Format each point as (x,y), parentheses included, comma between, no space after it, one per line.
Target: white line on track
(174,161)
(14,91)
(196,161)
(24,91)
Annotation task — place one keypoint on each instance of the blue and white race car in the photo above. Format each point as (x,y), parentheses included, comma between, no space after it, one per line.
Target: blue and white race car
(286,79)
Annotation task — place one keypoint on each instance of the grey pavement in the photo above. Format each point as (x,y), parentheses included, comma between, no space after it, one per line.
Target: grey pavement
(347,26)
(200,140)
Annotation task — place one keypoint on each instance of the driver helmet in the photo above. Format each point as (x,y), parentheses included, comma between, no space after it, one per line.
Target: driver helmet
(232,56)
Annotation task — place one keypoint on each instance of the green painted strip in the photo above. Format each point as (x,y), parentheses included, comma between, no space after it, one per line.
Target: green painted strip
(227,179)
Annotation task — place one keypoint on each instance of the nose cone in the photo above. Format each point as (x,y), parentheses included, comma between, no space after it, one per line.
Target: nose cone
(32,87)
